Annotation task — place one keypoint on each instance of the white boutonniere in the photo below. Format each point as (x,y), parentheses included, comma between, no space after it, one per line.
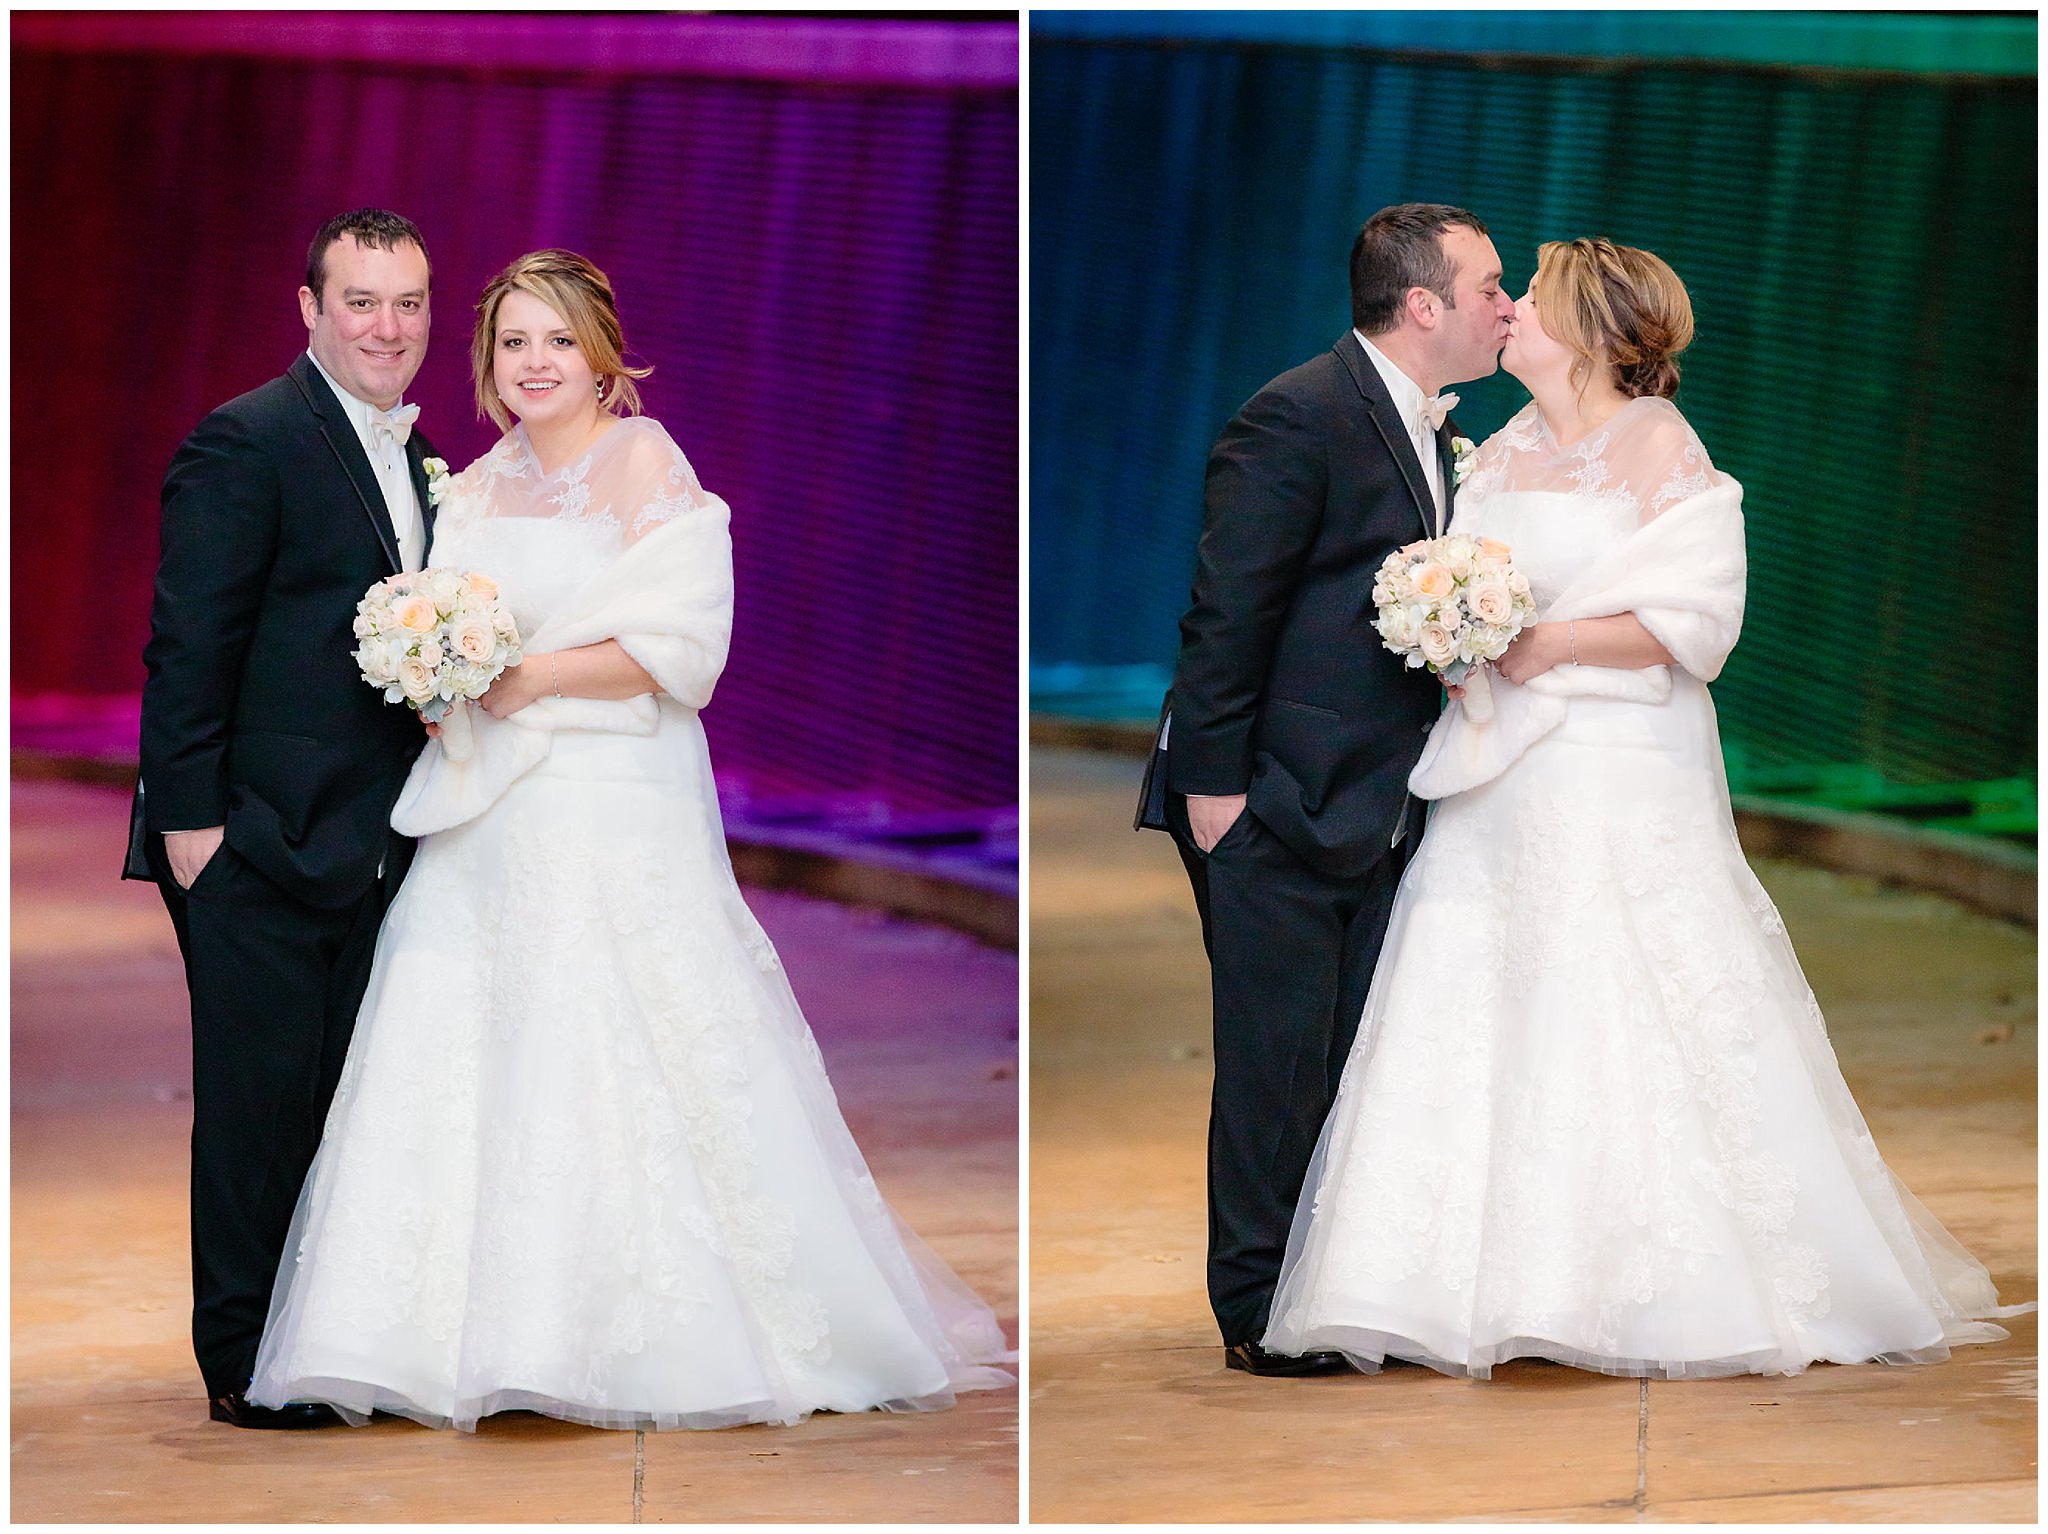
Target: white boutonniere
(437,479)
(1462,449)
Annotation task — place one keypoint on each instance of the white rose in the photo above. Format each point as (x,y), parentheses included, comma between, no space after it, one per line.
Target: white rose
(1518,583)
(1436,645)
(1397,626)
(415,680)
(380,655)
(364,626)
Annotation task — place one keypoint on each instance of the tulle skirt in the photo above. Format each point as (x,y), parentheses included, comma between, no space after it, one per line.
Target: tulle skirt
(584,1159)
(1592,1114)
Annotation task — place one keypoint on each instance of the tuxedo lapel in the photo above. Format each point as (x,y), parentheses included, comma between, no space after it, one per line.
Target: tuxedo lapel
(1447,460)
(348,450)
(1380,406)
(416,456)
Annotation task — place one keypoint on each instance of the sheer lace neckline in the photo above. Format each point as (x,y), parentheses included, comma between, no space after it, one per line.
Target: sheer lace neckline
(527,460)
(1625,416)
(1558,444)
(1641,459)
(632,479)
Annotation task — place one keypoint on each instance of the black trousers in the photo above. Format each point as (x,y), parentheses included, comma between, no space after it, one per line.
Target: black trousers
(275,986)
(1291,957)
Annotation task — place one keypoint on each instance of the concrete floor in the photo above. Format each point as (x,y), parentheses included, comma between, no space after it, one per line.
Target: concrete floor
(918,1026)
(1932,1010)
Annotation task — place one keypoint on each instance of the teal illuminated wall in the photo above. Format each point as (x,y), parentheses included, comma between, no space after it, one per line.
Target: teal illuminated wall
(1859,244)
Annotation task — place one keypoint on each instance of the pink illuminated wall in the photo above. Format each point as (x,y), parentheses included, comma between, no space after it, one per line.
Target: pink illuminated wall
(812,227)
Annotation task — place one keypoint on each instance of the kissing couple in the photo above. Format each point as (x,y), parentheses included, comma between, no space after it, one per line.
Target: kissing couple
(1546,1079)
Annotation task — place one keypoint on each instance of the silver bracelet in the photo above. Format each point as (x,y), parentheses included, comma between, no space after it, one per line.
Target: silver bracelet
(1571,631)
(554,676)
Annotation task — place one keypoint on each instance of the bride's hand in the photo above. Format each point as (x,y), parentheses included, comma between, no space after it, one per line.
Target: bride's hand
(515,687)
(1534,651)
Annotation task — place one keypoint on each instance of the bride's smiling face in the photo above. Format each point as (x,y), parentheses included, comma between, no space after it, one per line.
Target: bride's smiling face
(540,371)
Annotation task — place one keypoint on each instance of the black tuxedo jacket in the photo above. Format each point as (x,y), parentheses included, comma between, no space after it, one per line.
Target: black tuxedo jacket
(254,714)
(1283,690)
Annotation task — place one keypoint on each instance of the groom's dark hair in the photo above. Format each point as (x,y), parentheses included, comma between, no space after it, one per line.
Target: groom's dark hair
(1399,248)
(374,227)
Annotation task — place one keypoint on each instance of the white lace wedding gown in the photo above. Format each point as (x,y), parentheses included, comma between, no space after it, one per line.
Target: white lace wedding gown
(584,1159)
(1592,1114)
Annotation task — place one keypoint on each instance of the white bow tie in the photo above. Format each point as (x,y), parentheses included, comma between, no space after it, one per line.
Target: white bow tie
(1434,410)
(397,424)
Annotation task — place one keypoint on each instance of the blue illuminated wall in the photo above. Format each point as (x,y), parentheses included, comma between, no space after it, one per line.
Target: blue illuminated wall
(1856,226)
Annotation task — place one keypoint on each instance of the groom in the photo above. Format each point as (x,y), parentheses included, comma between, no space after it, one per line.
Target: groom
(269,767)
(1283,756)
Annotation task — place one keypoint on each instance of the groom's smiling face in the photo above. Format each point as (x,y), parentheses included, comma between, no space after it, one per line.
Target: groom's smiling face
(369,325)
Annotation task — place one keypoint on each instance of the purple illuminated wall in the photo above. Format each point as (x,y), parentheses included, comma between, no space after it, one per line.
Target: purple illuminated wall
(812,227)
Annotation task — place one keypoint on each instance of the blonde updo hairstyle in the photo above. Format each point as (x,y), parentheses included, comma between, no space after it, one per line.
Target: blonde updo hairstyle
(582,295)
(1616,306)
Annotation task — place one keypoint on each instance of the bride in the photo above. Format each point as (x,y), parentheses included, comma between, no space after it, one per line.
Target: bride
(1592,1114)
(584,1159)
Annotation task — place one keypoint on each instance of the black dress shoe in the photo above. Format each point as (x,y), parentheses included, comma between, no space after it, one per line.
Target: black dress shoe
(237,1412)
(1253,1359)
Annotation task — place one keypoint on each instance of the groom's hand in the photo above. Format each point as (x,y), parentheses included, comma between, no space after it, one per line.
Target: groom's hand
(1210,815)
(191,851)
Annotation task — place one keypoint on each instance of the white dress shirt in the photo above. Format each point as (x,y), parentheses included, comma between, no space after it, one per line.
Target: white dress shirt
(387,461)
(1408,399)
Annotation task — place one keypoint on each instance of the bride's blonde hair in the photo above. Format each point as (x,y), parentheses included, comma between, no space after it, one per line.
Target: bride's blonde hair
(581,294)
(1616,305)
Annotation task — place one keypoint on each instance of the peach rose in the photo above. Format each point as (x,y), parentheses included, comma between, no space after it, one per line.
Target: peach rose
(1493,548)
(1489,600)
(1433,580)
(483,586)
(416,614)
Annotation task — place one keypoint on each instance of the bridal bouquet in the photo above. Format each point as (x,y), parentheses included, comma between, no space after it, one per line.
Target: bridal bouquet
(434,640)
(1453,604)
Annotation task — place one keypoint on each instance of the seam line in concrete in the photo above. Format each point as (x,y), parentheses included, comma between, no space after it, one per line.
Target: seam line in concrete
(1642,1502)
(639,1470)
